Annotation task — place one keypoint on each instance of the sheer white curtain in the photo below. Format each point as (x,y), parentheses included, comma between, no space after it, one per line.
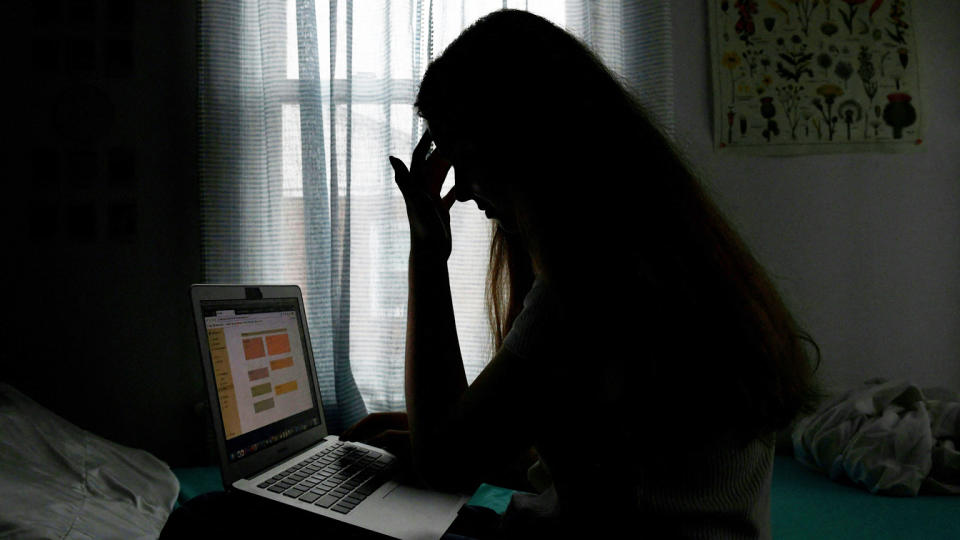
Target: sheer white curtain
(301,102)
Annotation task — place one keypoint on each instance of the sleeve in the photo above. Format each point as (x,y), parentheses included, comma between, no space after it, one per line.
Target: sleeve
(536,329)
(512,395)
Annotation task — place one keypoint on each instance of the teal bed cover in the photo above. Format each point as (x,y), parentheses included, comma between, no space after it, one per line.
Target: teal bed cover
(804,504)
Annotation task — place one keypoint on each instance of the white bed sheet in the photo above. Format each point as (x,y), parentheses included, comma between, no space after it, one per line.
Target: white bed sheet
(890,437)
(60,481)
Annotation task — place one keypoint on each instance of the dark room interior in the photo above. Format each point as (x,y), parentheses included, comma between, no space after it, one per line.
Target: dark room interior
(107,220)
(104,220)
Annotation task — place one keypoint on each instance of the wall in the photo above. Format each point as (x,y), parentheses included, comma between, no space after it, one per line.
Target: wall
(864,247)
(105,231)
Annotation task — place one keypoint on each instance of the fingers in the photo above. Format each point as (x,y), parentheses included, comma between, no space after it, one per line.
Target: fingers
(375,423)
(400,174)
(429,171)
(390,439)
(421,163)
(349,433)
(399,168)
(397,443)
(420,152)
(436,171)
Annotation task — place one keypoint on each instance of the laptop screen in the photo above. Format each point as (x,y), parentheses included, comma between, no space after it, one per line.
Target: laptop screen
(259,362)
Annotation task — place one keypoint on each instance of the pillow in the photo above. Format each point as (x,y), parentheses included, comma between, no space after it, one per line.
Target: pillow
(60,481)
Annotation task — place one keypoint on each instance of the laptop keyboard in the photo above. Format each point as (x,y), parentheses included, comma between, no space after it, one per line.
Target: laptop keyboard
(337,477)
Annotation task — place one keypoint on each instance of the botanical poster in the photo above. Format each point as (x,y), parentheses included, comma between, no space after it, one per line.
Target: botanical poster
(814,76)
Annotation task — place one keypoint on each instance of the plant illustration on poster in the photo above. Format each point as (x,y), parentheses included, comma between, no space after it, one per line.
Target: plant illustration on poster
(814,76)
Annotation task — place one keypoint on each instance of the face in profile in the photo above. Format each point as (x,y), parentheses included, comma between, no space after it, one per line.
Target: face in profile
(477,177)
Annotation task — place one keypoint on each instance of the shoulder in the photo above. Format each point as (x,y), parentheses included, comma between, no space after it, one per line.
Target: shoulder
(543,317)
(594,313)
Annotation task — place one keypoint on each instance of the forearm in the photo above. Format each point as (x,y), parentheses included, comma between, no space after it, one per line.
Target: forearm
(434,378)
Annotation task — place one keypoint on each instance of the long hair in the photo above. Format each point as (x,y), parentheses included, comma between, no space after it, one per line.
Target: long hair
(613,217)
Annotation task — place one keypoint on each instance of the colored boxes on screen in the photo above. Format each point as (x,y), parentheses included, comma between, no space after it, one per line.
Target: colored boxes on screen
(256,374)
(261,406)
(281,389)
(278,344)
(281,363)
(260,389)
(253,348)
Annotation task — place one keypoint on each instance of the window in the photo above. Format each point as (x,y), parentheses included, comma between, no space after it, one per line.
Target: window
(373,112)
(296,185)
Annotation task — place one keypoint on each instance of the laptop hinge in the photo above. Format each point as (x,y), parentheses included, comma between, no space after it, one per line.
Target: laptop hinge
(261,471)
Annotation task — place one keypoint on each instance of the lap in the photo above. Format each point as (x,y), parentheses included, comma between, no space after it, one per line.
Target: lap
(238,515)
(474,523)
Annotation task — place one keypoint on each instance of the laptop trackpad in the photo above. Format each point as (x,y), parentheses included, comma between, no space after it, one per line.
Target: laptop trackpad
(421,499)
(413,512)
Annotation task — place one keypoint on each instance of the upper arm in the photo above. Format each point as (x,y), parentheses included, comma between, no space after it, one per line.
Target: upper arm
(499,416)
(492,425)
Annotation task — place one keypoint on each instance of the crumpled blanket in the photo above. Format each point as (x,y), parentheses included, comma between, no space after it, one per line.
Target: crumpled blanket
(60,481)
(889,437)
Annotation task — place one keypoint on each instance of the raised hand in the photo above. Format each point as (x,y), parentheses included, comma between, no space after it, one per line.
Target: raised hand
(427,212)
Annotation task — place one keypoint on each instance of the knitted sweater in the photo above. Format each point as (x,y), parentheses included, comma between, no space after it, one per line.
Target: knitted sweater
(619,482)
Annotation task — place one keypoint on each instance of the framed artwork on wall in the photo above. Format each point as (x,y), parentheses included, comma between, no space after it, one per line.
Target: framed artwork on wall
(793,77)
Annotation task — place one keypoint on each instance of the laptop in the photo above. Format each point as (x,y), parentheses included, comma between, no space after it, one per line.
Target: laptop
(272,437)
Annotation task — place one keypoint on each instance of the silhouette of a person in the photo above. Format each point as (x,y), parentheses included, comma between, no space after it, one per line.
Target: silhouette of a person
(644,360)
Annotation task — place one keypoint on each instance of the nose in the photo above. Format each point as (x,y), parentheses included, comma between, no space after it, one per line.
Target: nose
(464,193)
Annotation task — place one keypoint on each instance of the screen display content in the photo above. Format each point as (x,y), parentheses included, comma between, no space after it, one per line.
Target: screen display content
(257,353)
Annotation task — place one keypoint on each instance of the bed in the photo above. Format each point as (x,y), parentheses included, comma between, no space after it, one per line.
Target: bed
(878,461)
(805,504)
(59,481)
